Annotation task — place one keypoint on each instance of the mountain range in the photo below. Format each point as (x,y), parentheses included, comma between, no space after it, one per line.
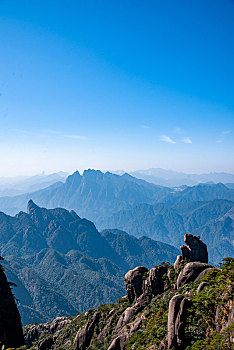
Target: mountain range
(172,178)
(93,195)
(142,208)
(62,265)
(212,220)
(96,195)
(12,186)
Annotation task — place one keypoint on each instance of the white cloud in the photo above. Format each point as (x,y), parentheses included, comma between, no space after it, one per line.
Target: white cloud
(167,138)
(187,140)
(145,126)
(76,137)
(219,141)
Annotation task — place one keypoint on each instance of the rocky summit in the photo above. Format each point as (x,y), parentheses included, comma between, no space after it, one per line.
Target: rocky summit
(189,306)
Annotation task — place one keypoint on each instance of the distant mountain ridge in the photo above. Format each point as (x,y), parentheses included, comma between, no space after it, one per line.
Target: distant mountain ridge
(127,203)
(63,265)
(212,220)
(97,195)
(172,178)
(93,195)
(12,186)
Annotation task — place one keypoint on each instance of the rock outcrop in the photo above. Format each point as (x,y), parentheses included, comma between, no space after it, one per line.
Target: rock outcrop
(11,332)
(193,271)
(34,332)
(195,250)
(177,313)
(134,280)
(155,284)
(145,283)
(129,314)
(85,334)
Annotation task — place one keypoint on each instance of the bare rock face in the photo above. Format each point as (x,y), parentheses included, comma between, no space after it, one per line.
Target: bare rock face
(85,333)
(11,332)
(191,272)
(177,314)
(195,250)
(134,280)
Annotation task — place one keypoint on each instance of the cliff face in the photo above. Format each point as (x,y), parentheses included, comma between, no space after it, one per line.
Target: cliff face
(11,332)
(189,307)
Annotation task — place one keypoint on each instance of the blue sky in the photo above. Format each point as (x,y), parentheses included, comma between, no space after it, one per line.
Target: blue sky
(116,85)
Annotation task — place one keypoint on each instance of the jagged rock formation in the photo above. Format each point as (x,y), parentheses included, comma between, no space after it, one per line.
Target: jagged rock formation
(195,250)
(11,332)
(144,283)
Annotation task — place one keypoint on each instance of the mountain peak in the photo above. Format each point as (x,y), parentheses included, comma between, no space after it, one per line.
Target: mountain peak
(31,205)
(91,172)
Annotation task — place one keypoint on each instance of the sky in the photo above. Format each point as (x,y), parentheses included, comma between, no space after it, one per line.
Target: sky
(116,84)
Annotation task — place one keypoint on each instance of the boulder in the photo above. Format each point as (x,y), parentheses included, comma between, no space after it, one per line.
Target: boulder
(177,314)
(134,280)
(85,333)
(191,272)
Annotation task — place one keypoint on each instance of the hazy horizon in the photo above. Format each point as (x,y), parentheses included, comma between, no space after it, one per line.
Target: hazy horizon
(81,171)
(109,85)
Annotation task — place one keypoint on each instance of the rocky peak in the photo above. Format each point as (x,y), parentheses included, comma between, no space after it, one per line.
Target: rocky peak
(31,207)
(92,172)
(92,175)
(74,179)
